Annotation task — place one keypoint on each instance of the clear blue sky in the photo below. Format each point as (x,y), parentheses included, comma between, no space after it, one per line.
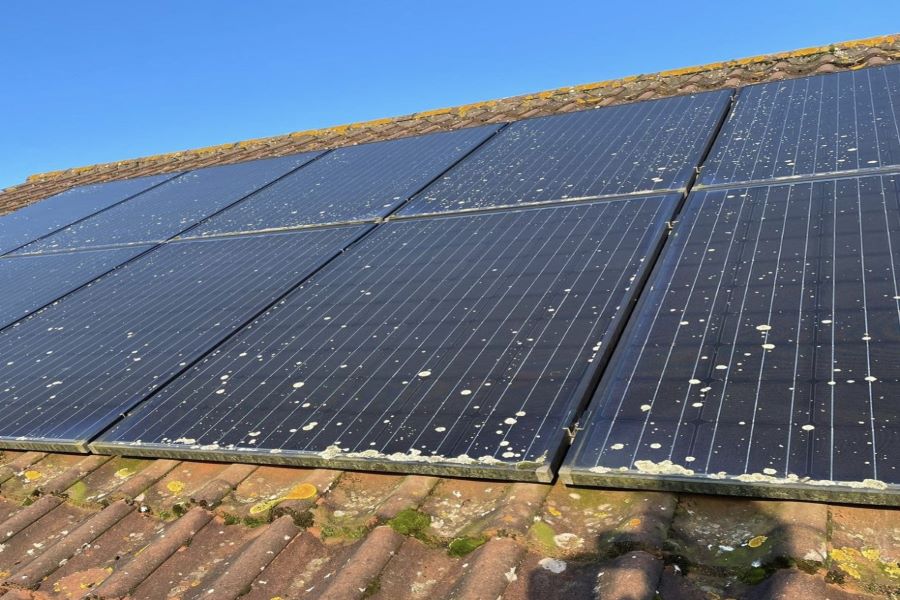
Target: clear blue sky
(91,81)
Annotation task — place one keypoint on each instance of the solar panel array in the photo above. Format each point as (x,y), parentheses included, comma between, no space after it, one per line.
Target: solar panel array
(458,340)
(136,326)
(762,358)
(447,303)
(384,305)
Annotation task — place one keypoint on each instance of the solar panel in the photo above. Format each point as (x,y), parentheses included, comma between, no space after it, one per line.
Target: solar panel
(817,125)
(355,183)
(626,149)
(763,355)
(28,283)
(41,218)
(169,209)
(461,344)
(68,371)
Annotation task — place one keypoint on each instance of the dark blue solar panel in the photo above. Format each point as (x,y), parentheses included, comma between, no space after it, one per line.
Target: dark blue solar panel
(626,149)
(764,352)
(28,283)
(41,218)
(355,183)
(817,125)
(68,371)
(169,209)
(438,344)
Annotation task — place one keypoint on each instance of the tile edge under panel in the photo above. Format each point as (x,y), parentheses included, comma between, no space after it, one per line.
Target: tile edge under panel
(527,472)
(45,445)
(840,494)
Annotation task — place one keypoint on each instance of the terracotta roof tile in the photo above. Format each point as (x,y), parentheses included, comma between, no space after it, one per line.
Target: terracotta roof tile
(413,536)
(72,525)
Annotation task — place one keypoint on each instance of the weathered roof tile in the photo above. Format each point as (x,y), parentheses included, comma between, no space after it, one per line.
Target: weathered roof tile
(32,573)
(357,577)
(240,571)
(140,567)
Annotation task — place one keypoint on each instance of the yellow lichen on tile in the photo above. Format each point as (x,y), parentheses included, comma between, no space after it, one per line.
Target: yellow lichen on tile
(301,492)
(757,541)
(844,558)
(871,553)
(32,475)
(124,473)
(874,41)
(261,507)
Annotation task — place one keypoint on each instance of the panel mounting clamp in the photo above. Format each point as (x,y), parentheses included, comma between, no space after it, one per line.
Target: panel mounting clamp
(572,431)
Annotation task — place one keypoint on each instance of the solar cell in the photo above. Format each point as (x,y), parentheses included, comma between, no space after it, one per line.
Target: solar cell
(41,218)
(817,125)
(625,149)
(762,357)
(72,369)
(28,283)
(355,183)
(169,209)
(461,344)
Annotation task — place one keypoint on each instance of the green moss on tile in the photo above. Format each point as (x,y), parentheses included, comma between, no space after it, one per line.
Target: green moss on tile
(543,534)
(78,492)
(346,533)
(463,546)
(302,518)
(410,522)
(754,575)
(256,521)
